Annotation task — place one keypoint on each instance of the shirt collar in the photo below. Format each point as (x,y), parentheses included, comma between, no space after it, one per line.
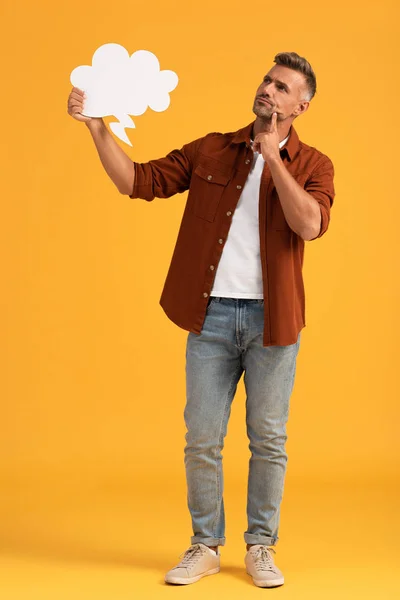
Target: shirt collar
(291,147)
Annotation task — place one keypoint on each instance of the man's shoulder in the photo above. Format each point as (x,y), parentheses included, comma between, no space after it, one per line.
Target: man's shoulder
(221,135)
(315,157)
(214,137)
(218,140)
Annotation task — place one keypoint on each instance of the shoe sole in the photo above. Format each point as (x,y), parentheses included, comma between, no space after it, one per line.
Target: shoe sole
(263,583)
(185,580)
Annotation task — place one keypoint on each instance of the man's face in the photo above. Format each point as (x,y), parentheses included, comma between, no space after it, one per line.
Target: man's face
(285,89)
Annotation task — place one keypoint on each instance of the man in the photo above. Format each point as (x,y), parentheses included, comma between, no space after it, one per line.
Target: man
(235,283)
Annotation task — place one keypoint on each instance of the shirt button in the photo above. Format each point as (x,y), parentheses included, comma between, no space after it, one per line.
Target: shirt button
(221,241)
(209,176)
(247,161)
(229,213)
(238,187)
(205,294)
(212,267)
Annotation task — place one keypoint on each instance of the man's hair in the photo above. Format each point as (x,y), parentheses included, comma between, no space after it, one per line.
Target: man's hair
(298,63)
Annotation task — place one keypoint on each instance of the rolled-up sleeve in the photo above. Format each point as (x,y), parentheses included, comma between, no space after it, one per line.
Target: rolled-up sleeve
(166,176)
(321,187)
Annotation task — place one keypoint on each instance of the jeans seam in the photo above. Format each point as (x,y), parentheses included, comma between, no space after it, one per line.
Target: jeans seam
(219,494)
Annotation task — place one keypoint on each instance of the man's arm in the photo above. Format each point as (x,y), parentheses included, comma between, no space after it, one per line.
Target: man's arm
(158,178)
(307,210)
(321,187)
(163,177)
(117,164)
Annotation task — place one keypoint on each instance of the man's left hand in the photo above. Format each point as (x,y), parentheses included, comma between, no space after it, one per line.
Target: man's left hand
(267,142)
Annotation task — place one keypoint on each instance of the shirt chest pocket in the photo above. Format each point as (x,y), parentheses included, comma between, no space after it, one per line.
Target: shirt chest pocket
(206,189)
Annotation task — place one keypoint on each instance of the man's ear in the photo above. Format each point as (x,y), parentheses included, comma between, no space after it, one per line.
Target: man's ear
(301,108)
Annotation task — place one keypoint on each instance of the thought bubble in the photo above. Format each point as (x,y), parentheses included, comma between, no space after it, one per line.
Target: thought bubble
(121,85)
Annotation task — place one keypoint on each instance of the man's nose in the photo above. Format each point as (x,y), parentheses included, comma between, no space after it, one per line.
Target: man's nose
(265,89)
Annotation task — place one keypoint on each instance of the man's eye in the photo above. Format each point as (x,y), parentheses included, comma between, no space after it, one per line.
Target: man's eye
(281,87)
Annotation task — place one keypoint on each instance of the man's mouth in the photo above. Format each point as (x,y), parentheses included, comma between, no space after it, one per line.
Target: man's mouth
(264,100)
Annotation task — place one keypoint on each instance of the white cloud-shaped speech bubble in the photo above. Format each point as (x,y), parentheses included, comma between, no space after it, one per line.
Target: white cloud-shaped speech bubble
(122,85)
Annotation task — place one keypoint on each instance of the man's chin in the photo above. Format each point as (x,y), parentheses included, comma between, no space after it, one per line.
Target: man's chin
(263,114)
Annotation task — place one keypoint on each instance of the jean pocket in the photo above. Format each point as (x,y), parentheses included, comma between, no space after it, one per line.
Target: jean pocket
(211,301)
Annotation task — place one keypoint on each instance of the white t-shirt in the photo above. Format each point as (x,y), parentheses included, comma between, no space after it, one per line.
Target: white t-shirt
(239,273)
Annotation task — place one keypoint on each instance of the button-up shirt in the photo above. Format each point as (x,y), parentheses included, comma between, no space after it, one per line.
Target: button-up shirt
(239,273)
(214,169)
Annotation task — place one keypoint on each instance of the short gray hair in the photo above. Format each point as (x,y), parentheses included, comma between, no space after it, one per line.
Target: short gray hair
(298,63)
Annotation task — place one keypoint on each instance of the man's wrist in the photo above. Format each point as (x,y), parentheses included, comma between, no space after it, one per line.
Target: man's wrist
(95,124)
(275,161)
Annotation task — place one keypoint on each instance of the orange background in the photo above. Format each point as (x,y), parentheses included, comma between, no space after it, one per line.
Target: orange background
(93,490)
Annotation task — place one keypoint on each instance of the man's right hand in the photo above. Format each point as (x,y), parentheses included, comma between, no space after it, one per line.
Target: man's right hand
(76,101)
(117,164)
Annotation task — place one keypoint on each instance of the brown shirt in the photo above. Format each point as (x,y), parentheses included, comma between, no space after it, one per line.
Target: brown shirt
(214,169)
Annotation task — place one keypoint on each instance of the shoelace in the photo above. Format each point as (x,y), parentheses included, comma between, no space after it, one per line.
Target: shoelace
(191,555)
(263,559)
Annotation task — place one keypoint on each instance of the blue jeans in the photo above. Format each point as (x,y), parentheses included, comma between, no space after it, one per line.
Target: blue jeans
(231,342)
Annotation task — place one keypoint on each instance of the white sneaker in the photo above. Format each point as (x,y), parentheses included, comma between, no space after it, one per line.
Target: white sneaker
(199,560)
(260,565)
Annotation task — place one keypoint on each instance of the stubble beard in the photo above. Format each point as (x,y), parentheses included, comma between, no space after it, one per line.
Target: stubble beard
(262,111)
